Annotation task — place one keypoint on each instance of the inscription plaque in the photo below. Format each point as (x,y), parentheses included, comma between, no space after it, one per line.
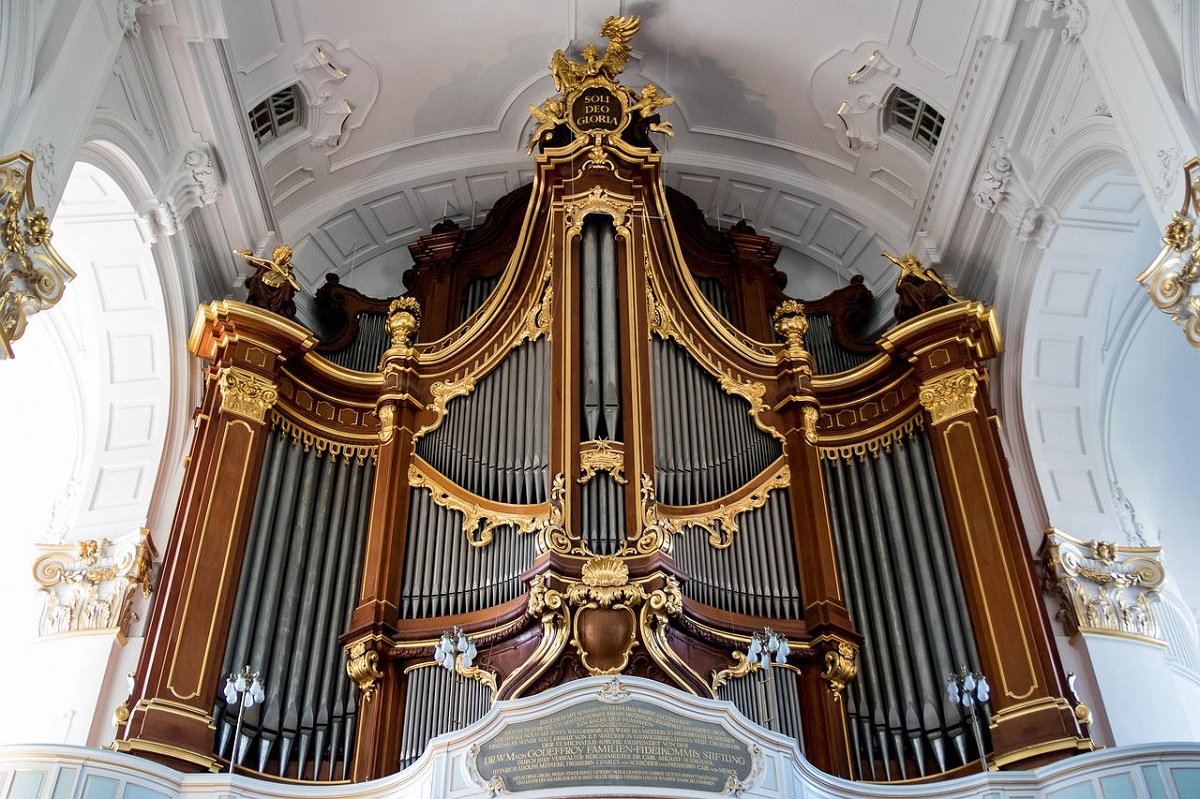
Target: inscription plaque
(595,743)
(596,108)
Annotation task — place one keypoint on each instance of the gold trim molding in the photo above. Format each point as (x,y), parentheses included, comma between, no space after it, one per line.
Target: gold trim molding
(873,446)
(311,440)
(1103,588)
(89,586)
(245,394)
(480,516)
(721,521)
(950,396)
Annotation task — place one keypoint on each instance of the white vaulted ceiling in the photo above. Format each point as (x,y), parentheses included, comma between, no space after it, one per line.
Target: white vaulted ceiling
(434,116)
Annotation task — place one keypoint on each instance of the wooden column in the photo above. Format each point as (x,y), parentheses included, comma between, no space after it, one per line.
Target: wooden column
(374,622)
(1032,722)
(178,675)
(833,639)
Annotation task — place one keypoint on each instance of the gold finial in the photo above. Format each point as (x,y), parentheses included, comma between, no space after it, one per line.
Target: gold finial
(404,318)
(791,323)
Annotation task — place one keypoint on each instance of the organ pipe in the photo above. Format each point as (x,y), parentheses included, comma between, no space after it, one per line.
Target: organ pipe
(601,376)
(904,594)
(300,570)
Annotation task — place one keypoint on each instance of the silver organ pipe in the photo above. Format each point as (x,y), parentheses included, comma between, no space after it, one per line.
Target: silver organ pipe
(603,517)
(601,375)
(444,575)
(714,292)
(705,443)
(474,294)
(495,442)
(769,700)
(299,578)
(362,354)
(756,575)
(437,701)
(830,357)
(904,594)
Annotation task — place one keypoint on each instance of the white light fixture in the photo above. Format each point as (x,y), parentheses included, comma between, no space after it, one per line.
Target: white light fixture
(244,689)
(968,691)
(455,647)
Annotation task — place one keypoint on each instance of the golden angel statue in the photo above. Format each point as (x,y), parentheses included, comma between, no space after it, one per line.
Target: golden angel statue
(549,115)
(647,107)
(919,288)
(272,286)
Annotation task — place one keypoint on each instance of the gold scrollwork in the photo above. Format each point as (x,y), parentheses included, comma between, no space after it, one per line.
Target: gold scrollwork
(362,666)
(387,422)
(246,394)
(1170,277)
(599,201)
(600,456)
(32,275)
(656,531)
(950,396)
(552,533)
(841,665)
(443,391)
(873,446)
(811,416)
(480,516)
(740,668)
(310,440)
(605,581)
(721,521)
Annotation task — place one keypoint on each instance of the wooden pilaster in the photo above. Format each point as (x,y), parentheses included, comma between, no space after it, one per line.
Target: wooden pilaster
(1032,722)
(178,674)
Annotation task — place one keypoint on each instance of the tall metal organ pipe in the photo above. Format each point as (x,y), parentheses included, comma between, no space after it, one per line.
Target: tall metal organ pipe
(904,593)
(299,577)
(601,337)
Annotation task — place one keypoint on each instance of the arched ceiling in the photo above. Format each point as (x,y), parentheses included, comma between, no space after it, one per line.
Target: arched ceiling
(419,110)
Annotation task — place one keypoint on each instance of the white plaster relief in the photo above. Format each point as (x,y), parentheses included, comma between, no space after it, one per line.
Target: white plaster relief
(194,183)
(43,159)
(876,64)
(863,121)
(127,16)
(1001,188)
(1075,12)
(340,88)
(1169,160)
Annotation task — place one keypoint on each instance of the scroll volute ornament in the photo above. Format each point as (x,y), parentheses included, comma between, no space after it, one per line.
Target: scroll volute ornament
(362,666)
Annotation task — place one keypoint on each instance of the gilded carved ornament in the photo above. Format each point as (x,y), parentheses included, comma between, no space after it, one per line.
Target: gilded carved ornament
(403,321)
(721,521)
(1102,587)
(599,200)
(791,324)
(950,396)
(599,456)
(32,275)
(840,666)
(480,517)
(387,422)
(552,533)
(444,391)
(362,666)
(1171,279)
(590,100)
(873,446)
(246,394)
(311,440)
(90,585)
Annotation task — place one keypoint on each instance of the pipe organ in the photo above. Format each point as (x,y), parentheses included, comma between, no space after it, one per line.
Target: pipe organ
(594,436)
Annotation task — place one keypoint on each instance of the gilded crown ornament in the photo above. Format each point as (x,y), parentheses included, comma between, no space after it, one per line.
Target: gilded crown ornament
(590,98)
(791,323)
(404,319)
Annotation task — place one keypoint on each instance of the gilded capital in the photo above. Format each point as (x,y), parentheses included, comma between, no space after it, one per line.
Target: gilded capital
(404,319)
(950,396)
(246,394)
(1102,587)
(91,585)
(840,665)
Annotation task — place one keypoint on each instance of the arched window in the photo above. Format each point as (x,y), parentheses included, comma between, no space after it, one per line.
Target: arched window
(276,115)
(915,119)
